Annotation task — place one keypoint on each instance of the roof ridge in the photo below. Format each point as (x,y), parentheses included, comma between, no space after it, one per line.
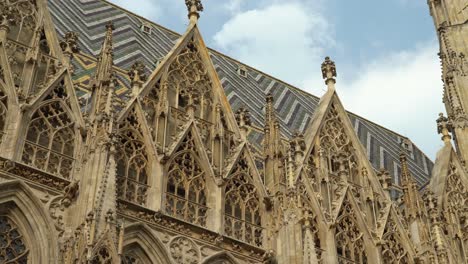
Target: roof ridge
(290,86)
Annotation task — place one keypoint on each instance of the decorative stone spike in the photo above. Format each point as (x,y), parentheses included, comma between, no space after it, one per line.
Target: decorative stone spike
(194,7)
(329,71)
(297,145)
(444,127)
(137,76)
(69,44)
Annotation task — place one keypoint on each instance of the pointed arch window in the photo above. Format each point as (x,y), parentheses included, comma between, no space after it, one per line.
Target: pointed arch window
(132,168)
(50,140)
(349,239)
(12,247)
(186,185)
(242,218)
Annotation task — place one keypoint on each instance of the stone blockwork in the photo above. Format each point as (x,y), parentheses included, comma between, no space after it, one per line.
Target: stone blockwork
(169,174)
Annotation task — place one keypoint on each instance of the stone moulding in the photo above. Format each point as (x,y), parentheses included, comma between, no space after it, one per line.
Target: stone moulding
(179,227)
(33,175)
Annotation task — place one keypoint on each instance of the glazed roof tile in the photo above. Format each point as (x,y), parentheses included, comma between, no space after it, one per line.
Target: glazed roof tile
(294,107)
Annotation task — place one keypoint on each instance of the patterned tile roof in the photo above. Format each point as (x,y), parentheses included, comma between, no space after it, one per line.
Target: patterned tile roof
(294,107)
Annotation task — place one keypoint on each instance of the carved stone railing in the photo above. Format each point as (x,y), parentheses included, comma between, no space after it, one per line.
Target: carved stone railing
(186,210)
(14,169)
(243,231)
(52,161)
(176,227)
(132,191)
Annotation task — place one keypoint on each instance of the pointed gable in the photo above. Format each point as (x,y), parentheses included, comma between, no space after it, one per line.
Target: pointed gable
(242,208)
(396,246)
(449,182)
(187,180)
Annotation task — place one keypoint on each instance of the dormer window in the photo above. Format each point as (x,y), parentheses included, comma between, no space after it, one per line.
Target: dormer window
(242,71)
(146,28)
(406,145)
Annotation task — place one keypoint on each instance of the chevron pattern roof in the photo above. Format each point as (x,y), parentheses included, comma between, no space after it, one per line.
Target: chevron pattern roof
(294,107)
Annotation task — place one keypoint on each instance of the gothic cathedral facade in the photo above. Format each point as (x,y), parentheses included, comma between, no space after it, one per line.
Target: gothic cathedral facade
(124,142)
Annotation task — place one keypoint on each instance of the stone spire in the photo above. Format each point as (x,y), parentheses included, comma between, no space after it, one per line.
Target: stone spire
(106,57)
(410,195)
(104,81)
(329,72)
(193,8)
(272,145)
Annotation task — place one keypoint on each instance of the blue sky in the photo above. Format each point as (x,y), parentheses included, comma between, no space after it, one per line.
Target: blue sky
(385,51)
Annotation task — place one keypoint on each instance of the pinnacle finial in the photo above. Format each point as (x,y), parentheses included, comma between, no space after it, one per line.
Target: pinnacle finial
(194,7)
(110,26)
(329,71)
(69,44)
(444,127)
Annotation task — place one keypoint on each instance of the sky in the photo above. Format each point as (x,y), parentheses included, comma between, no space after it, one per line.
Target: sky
(385,51)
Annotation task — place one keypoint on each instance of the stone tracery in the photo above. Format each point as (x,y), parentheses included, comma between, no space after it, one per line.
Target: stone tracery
(132,163)
(12,247)
(349,238)
(242,218)
(393,251)
(186,185)
(50,140)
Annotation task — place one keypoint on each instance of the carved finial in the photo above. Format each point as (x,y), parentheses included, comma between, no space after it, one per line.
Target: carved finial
(110,27)
(243,119)
(137,76)
(444,127)
(297,145)
(385,179)
(69,44)
(194,7)
(329,71)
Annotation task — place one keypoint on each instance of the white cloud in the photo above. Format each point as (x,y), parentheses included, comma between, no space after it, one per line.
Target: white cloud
(401,91)
(286,40)
(234,5)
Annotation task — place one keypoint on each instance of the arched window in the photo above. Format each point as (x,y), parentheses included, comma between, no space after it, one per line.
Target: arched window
(242,207)
(49,143)
(3,112)
(349,239)
(12,247)
(132,168)
(186,185)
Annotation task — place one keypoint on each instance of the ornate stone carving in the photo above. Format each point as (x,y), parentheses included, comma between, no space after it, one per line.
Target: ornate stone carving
(69,44)
(242,218)
(184,251)
(186,185)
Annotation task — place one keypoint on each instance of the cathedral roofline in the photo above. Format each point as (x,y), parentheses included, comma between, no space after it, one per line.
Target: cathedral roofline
(257,78)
